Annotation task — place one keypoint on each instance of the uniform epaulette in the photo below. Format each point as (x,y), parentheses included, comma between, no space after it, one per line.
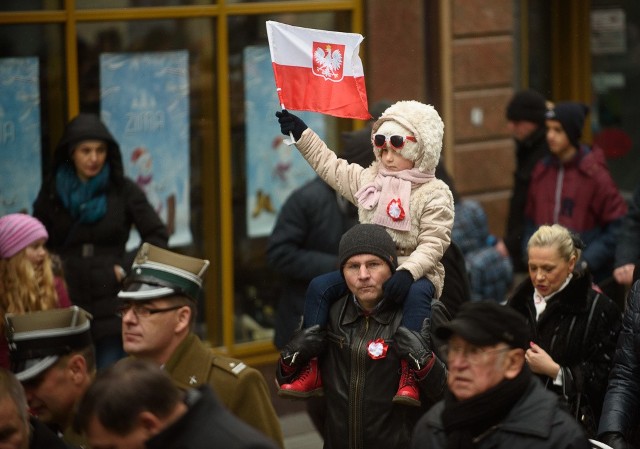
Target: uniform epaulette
(229,364)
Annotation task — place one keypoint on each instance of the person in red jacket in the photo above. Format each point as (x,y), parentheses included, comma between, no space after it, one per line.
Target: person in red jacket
(573,187)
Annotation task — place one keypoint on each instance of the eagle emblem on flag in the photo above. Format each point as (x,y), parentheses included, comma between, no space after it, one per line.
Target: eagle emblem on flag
(328,60)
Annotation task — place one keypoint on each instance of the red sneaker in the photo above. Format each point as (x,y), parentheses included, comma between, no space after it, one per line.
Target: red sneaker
(307,384)
(408,392)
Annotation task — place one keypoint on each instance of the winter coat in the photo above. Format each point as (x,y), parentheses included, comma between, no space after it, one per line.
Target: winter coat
(206,424)
(528,153)
(621,409)
(89,251)
(490,273)
(304,244)
(581,196)
(419,249)
(585,356)
(534,422)
(241,388)
(359,389)
(628,249)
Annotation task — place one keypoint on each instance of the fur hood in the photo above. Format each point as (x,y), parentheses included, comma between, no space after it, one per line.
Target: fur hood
(425,124)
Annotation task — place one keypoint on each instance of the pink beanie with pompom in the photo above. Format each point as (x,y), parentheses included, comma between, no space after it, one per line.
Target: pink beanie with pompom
(17,231)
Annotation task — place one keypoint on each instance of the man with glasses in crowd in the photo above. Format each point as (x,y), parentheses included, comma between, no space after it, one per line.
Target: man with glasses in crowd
(158,313)
(493,400)
(52,355)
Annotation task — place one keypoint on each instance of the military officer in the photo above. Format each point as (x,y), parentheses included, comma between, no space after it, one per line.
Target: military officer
(52,355)
(159,299)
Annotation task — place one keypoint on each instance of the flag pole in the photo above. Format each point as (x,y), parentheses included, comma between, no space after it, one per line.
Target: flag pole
(291,140)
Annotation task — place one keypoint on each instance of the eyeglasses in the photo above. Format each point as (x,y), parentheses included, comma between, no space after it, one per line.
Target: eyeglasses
(396,142)
(142,311)
(475,355)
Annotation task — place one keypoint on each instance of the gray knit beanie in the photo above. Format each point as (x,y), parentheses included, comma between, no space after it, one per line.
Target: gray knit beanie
(368,239)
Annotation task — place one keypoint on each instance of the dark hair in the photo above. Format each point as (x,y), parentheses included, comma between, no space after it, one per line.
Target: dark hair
(123,391)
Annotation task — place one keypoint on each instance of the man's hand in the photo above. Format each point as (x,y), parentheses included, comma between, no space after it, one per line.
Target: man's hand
(397,287)
(305,344)
(290,123)
(414,347)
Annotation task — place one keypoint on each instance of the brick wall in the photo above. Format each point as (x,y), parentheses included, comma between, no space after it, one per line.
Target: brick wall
(483,70)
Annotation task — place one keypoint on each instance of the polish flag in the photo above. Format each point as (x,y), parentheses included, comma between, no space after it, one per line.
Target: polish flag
(318,70)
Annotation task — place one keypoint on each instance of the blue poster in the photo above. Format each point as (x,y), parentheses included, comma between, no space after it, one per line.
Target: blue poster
(145,104)
(274,169)
(20,144)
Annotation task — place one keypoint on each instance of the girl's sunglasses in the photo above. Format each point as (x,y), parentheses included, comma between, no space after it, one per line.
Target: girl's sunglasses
(396,142)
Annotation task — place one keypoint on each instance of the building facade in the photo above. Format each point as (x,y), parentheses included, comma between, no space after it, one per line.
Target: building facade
(465,58)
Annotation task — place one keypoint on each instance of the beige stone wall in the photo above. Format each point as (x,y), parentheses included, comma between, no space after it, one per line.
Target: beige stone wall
(482,75)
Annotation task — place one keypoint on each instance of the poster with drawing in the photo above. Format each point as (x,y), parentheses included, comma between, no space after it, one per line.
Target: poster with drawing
(145,104)
(274,169)
(20,144)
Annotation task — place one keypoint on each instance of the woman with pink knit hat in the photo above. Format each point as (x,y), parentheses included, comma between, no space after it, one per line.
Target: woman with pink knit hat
(27,280)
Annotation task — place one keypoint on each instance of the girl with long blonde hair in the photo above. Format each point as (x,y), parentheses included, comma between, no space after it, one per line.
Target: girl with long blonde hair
(27,279)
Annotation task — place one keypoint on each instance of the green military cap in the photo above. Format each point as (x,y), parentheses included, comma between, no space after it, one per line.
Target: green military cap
(157,273)
(38,339)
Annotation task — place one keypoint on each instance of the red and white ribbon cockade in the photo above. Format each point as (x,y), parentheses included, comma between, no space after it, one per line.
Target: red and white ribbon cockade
(395,210)
(318,70)
(377,349)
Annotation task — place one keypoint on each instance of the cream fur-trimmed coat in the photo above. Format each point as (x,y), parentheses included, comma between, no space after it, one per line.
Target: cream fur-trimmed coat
(431,209)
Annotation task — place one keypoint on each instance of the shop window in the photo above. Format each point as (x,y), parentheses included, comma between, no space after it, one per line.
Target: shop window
(265,170)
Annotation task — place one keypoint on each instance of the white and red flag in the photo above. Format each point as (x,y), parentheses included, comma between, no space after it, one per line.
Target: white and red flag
(318,70)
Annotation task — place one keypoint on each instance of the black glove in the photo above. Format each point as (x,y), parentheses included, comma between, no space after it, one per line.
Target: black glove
(414,347)
(397,287)
(613,439)
(289,123)
(304,345)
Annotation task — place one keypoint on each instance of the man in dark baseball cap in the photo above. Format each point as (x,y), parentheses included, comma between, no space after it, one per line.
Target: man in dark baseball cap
(487,323)
(493,398)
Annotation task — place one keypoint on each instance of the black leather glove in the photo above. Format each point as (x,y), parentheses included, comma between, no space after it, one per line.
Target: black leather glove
(613,439)
(414,347)
(289,123)
(397,287)
(305,344)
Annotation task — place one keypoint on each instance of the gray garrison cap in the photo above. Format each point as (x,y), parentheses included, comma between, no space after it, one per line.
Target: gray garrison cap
(158,273)
(38,339)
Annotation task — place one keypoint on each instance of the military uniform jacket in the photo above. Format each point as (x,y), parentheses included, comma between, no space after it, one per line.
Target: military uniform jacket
(241,388)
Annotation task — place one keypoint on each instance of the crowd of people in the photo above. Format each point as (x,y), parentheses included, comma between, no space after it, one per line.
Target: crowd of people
(402,313)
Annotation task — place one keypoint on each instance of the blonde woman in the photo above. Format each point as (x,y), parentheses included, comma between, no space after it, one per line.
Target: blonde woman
(574,326)
(27,279)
